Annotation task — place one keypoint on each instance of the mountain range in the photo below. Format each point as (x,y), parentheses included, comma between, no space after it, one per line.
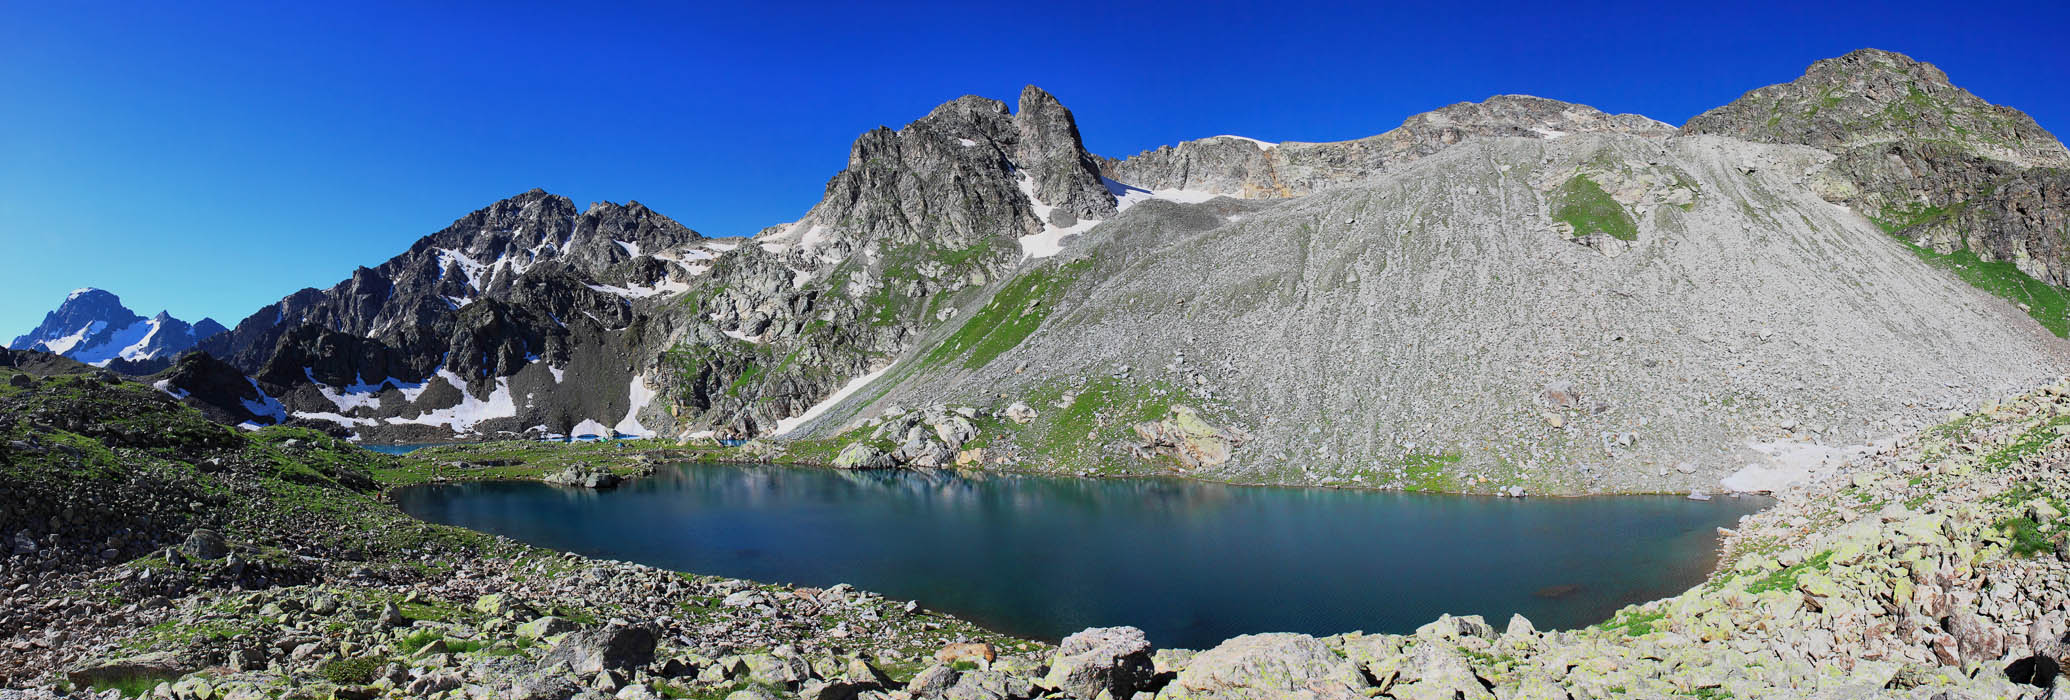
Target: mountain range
(1515,294)
(93,327)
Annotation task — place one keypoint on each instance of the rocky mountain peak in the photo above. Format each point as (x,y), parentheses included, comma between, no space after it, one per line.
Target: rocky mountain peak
(1051,152)
(84,312)
(1873,96)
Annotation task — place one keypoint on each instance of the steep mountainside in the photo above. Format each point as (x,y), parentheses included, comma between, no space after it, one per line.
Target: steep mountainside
(1963,179)
(1605,312)
(93,326)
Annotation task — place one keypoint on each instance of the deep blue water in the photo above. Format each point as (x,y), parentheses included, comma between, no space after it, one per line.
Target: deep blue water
(1190,563)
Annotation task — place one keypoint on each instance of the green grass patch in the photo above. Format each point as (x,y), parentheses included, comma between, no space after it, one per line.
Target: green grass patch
(1582,204)
(1009,318)
(134,686)
(353,671)
(1429,472)
(1785,579)
(1633,622)
(2026,535)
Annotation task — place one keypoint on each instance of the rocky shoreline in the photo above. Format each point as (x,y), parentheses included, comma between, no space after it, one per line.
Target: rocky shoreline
(152,553)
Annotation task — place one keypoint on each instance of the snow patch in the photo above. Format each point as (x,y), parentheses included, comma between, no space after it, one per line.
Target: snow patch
(64,345)
(1051,240)
(588,428)
(468,266)
(737,335)
(471,411)
(787,424)
(1127,195)
(1266,145)
(1795,463)
(631,248)
(967,143)
(265,406)
(122,343)
(166,386)
(357,395)
(640,395)
(638,292)
(343,420)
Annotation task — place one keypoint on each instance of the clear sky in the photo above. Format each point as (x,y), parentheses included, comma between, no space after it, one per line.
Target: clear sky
(211,158)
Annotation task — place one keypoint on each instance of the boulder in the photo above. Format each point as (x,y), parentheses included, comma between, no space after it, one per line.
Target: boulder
(932,682)
(980,653)
(1261,666)
(989,685)
(1111,659)
(584,476)
(392,616)
(205,544)
(162,665)
(1436,671)
(614,647)
(546,627)
(1020,413)
(861,456)
(1187,438)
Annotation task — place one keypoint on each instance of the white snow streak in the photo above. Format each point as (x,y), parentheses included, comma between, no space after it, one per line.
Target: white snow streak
(854,385)
(640,395)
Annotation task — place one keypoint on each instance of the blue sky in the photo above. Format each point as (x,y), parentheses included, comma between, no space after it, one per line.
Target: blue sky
(210,158)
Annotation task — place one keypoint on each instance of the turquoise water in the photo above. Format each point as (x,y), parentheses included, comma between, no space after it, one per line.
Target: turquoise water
(1190,563)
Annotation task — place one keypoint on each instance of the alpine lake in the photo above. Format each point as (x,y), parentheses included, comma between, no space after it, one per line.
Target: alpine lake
(1191,563)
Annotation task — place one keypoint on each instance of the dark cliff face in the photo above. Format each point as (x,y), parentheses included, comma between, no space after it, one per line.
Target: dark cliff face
(1929,161)
(505,297)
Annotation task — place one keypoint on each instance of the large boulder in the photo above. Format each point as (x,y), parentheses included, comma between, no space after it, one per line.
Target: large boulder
(1188,438)
(861,456)
(160,665)
(615,647)
(1113,659)
(1262,666)
(1436,671)
(584,477)
(205,544)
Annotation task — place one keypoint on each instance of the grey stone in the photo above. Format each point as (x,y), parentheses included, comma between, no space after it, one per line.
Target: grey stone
(1114,660)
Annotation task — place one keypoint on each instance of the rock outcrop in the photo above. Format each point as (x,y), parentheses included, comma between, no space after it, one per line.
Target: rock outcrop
(1247,168)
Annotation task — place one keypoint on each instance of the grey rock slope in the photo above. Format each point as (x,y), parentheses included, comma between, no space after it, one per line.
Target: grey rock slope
(92,326)
(1927,160)
(1438,326)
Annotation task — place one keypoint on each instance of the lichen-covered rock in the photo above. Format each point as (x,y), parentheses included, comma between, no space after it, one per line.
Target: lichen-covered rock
(612,647)
(1184,436)
(1261,666)
(862,456)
